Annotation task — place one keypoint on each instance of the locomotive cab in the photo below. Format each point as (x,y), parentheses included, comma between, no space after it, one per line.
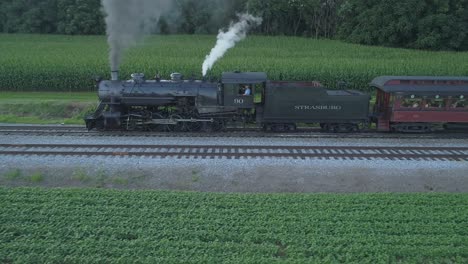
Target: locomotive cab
(243,90)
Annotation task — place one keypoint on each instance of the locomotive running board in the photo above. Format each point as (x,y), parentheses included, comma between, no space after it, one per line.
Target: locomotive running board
(175,121)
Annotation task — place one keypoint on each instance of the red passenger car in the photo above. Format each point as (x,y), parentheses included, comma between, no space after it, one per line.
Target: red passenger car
(420,104)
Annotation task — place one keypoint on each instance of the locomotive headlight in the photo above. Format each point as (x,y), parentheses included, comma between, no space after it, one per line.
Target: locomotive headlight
(461,96)
(412,96)
(437,96)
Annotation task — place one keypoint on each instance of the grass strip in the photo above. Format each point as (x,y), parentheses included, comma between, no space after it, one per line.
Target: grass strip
(46,107)
(31,97)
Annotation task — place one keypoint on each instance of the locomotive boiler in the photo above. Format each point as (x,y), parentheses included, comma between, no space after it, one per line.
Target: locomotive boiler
(174,104)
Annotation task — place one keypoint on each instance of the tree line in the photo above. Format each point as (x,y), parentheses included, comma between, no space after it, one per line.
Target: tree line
(420,24)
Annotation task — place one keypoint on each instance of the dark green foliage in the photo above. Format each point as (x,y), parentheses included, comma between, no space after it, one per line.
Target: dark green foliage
(201,16)
(79,17)
(51,16)
(315,18)
(441,31)
(85,17)
(28,16)
(432,24)
(109,226)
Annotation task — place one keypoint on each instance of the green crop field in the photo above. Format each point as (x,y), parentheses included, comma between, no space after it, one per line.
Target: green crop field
(110,226)
(70,63)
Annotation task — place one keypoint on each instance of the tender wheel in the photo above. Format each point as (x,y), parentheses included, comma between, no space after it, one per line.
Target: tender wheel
(331,128)
(292,127)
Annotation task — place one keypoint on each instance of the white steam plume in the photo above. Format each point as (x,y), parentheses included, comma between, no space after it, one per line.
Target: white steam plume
(127,21)
(227,40)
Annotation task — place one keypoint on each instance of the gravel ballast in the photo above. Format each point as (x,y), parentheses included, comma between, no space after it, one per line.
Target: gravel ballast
(235,175)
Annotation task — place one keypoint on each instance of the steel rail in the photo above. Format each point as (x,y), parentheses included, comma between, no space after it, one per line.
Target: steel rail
(42,130)
(237,151)
(249,147)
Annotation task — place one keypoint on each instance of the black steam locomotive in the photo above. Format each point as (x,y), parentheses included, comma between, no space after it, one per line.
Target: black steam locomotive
(238,98)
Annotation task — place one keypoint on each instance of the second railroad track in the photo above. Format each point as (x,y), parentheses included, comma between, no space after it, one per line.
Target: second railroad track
(80,131)
(239,152)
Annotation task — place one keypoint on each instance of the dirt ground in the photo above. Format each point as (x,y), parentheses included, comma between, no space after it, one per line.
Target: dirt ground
(263,175)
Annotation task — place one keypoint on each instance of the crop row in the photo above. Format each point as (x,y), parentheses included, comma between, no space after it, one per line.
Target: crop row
(77,225)
(71,63)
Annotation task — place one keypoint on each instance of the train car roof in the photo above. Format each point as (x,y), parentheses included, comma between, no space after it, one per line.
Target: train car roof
(395,84)
(294,84)
(244,77)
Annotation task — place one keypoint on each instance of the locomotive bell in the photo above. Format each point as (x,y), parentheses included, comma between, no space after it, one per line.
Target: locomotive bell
(138,77)
(176,77)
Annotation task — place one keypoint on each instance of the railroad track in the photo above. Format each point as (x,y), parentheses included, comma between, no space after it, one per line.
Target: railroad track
(80,131)
(240,152)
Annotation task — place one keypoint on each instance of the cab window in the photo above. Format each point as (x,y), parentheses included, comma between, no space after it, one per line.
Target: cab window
(245,89)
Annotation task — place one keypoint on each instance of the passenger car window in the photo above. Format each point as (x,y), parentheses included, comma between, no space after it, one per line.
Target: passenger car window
(411,102)
(459,104)
(434,103)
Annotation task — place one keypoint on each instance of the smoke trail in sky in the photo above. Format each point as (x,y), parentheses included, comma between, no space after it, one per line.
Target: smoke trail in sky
(226,40)
(127,21)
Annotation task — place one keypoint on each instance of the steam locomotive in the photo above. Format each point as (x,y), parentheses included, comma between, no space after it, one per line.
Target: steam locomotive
(193,105)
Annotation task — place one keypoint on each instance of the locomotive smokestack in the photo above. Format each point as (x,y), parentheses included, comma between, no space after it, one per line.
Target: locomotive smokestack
(114,75)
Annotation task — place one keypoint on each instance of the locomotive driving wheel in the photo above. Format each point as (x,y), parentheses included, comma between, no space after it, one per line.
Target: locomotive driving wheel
(157,127)
(132,124)
(192,125)
(215,126)
(178,126)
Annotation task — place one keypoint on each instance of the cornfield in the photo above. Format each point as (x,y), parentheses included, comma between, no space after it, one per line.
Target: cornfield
(111,226)
(71,63)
